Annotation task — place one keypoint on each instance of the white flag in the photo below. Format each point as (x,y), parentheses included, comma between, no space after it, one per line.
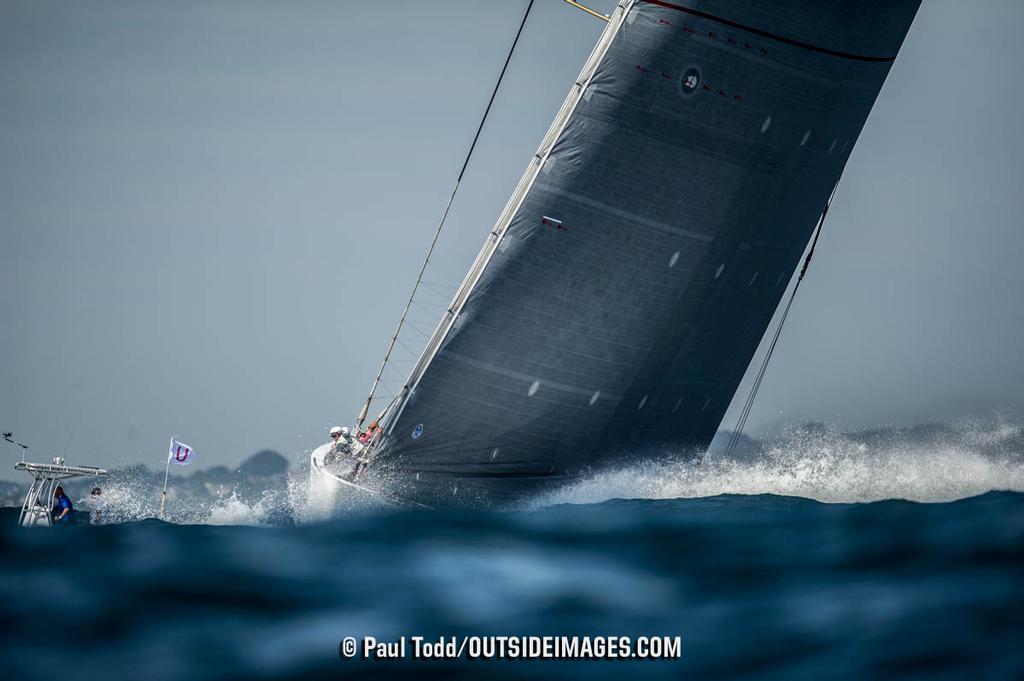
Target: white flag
(180,453)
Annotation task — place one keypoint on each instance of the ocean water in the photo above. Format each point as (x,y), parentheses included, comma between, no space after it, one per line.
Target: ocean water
(885,556)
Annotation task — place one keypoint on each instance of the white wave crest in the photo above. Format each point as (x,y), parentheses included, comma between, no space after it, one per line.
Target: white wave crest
(926,464)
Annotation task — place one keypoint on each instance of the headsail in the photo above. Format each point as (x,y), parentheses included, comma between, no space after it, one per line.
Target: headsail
(627,283)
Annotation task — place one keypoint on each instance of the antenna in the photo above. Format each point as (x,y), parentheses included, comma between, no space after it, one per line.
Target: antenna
(9,437)
(72,435)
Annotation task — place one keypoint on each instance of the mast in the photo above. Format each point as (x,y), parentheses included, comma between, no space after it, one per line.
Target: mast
(509,211)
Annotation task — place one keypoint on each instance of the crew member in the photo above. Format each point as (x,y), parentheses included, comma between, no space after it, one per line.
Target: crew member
(341,447)
(331,454)
(99,505)
(63,509)
(371,432)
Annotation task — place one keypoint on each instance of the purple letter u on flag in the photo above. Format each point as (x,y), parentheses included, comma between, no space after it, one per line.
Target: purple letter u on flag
(180,454)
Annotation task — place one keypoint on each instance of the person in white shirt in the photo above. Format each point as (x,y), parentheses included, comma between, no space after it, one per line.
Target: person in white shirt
(342,446)
(98,505)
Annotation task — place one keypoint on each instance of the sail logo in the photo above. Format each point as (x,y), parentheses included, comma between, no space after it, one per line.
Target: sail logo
(690,81)
(417,431)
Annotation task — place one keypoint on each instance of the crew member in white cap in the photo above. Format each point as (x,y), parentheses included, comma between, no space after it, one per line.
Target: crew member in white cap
(341,447)
(332,453)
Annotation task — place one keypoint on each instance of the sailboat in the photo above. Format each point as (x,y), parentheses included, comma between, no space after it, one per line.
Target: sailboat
(624,289)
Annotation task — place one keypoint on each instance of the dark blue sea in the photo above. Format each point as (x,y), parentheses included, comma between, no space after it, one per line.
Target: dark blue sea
(757,585)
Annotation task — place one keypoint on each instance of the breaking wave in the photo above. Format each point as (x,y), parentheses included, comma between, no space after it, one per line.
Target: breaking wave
(133,494)
(931,463)
(291,497)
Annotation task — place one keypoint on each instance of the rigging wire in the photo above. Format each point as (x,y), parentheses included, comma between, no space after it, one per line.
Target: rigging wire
(444,216)
(737,433)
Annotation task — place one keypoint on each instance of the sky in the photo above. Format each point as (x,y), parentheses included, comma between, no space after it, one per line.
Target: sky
(211,214)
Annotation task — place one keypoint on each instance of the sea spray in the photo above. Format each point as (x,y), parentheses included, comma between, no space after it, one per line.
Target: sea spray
(939,462)
(814,461)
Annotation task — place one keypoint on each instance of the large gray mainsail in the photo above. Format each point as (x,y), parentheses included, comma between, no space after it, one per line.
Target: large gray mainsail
(625,287)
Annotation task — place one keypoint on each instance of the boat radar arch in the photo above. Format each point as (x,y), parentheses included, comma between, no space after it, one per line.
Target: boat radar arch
(35,511)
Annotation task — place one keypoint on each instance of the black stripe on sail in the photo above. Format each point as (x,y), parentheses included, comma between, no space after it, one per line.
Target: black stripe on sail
(766,34)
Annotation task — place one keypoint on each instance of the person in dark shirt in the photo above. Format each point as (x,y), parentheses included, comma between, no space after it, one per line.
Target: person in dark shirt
(63,510)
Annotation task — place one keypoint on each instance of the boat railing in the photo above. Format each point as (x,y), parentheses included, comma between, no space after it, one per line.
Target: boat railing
(36,509)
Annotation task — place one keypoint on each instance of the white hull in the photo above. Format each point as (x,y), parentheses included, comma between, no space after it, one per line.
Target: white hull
(331,494)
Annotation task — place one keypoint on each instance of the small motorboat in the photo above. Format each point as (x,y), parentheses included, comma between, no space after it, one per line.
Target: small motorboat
(36,511)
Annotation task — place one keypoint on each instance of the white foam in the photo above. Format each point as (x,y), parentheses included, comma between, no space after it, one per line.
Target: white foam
(232,511)
(829,466)
(934,464)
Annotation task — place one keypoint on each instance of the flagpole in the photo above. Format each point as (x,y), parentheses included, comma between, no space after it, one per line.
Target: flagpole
(163,497)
